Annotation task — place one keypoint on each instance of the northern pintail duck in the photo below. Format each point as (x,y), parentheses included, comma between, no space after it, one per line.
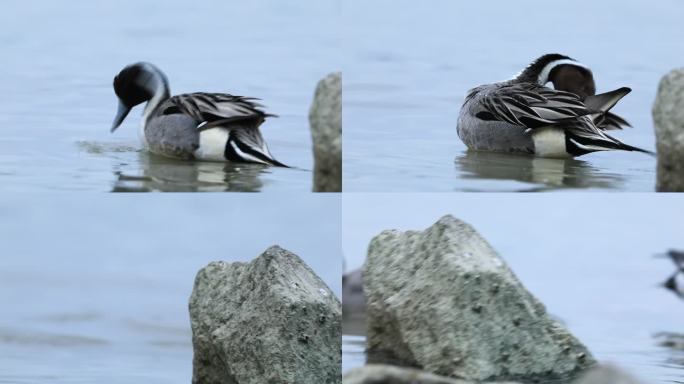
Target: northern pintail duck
(523,115)
(675,282)
(202,126)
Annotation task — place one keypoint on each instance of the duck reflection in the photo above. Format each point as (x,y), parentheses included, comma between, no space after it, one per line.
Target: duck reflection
(169,175)
(545,173)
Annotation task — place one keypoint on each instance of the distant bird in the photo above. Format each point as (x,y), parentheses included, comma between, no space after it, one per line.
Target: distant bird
(675,282)
(202,126)
(523,115)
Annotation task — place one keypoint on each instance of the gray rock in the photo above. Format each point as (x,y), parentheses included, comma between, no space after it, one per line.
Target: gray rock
(607,374)
(668,116)
(271,320)
(442,300)
(388,374)
(325,119)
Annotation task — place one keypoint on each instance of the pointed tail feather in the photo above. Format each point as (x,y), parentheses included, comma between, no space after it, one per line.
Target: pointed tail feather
(247,145)
(580,144)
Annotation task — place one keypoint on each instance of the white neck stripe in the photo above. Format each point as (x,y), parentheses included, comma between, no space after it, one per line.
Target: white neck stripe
(544,74)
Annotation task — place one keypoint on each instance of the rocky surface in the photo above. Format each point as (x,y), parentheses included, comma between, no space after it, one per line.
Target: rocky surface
(442,300)
(668,116)
(271,320)
(325,119)
(387,374)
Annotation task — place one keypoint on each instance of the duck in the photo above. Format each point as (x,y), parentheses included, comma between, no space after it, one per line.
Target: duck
(523,115)
(193,126)
(675,282)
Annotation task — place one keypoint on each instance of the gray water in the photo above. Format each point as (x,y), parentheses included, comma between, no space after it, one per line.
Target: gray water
(590,261)
(96,290)
(59,59)
(408,66)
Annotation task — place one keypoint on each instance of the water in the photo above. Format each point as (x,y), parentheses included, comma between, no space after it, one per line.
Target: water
(407,68)
(590,261)
(96,289)
(60,58)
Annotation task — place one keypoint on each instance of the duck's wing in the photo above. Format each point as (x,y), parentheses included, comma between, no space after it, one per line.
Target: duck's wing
(215,109)
(530,105)
(603,102)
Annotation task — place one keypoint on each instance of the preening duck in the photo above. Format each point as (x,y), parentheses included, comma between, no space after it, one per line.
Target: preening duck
(523,115)
(202,126)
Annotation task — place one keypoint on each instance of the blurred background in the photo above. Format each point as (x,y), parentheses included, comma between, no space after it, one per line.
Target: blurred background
(591,261)
(98,292)
(407,67)
(59,59)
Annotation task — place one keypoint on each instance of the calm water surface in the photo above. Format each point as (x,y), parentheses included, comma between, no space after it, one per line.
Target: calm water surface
(592,263)
(96,290)
(60,58)
(408,66)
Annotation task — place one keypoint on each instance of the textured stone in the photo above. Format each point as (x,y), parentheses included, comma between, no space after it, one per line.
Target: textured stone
(668,116)
(388,374)
(271,320)
(325,119)
(442,300)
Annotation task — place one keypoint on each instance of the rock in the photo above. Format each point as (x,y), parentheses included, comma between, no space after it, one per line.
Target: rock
(607,374)
(271,320)
(668,116)
(325,119)
(387,374)
(442,300)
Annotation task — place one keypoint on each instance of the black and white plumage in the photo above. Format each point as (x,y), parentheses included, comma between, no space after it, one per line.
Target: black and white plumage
(523,115)
(202,126)
(675,282)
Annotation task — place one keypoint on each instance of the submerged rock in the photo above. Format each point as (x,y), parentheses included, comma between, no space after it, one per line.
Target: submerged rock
(388,374)
(325,119)
(271,320)
(607,374)
(668,116)
(442,300)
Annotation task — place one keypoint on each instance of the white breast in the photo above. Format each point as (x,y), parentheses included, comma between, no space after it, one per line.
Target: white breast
(549,142)
(212,145)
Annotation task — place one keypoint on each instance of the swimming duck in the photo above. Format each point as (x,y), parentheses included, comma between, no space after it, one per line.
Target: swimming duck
(675,283)
(523,115)
(202,126)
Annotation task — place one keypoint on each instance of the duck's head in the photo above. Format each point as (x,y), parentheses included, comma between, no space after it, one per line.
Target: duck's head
(136,84)
(566,74)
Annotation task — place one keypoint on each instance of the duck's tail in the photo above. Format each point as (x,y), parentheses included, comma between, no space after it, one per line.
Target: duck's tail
(580,144)
(246,145)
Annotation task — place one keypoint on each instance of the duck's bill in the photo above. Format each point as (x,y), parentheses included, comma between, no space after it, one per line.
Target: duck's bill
(120,116)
